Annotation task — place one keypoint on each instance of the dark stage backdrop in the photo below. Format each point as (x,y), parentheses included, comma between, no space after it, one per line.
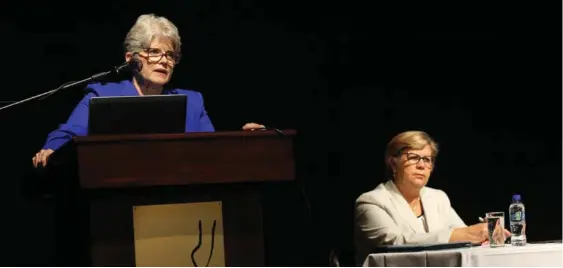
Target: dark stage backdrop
(483,79)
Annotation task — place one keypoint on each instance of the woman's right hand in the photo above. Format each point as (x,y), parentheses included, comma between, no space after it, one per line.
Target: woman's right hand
(41,157)
(476,233)
(479,232)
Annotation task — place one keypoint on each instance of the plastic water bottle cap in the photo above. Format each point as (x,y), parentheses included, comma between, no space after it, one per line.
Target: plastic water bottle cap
(516,197)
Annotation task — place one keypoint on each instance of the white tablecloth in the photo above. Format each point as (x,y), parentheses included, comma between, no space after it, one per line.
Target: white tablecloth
(531,255)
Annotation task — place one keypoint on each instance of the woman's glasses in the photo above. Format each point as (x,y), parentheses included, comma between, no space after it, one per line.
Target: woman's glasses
(156,54)
(413,159)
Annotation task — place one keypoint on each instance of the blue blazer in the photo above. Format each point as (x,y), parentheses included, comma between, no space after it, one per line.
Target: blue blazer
(77,124)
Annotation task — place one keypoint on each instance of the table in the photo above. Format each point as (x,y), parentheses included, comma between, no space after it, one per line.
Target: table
(531,255)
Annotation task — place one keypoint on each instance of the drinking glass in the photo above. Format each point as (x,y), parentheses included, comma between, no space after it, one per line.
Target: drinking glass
(495,227)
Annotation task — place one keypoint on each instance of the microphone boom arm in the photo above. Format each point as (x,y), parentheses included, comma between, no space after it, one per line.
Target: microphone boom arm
(95,77)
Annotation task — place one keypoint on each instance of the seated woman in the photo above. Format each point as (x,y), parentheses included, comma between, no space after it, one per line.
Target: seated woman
(155,43)
(403,210)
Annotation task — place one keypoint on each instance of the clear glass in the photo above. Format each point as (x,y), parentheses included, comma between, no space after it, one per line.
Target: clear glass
(495,227)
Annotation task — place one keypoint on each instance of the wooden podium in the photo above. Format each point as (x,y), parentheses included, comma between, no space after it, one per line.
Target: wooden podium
(177,199)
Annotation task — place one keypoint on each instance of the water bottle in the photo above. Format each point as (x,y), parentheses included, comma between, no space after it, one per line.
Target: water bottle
(517,221)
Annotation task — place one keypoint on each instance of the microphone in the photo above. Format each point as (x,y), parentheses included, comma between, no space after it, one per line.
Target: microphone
(134,65)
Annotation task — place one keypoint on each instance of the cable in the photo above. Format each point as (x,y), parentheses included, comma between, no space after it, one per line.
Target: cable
(271,128)
(57,89)
(307,203)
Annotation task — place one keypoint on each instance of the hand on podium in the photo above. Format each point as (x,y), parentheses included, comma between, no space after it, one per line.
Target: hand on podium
(253,126)
(40,159)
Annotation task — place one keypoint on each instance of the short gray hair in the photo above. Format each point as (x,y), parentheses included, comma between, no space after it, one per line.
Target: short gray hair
(147,28)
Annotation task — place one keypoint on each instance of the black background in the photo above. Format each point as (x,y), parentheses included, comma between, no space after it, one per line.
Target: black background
(484,79)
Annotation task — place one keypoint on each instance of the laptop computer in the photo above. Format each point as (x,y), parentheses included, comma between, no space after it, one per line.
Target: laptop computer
(137,114)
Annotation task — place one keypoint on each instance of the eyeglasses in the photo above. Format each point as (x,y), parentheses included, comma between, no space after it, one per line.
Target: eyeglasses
(156,54)
(413,159)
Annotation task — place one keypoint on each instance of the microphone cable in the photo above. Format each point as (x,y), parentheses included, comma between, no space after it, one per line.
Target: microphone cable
(56,90)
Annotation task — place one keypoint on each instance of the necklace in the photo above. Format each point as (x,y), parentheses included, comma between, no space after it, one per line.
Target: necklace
(416,204)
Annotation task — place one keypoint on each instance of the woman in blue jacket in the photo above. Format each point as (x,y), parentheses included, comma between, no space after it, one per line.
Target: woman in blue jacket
(154,42)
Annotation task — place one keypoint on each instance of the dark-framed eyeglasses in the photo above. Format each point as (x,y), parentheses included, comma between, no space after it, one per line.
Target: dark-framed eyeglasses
(413,159)
(156,54)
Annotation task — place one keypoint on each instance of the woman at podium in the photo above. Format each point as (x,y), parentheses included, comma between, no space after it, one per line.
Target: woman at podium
(154,44)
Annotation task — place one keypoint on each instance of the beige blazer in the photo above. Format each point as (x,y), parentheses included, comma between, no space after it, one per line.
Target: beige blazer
(383,217)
